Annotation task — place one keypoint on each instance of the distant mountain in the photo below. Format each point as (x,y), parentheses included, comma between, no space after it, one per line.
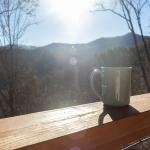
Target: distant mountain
(115,42)
(101,44)
(25,47)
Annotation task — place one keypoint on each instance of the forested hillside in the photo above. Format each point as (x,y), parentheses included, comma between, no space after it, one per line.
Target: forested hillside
(59,75)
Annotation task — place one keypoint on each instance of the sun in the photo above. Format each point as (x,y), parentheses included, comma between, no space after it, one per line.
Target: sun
(72,13)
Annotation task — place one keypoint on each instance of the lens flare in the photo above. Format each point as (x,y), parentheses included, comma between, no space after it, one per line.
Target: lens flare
(73,61)
(75,148)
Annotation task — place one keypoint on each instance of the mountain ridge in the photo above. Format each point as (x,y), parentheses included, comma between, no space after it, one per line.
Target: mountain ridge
(101,44)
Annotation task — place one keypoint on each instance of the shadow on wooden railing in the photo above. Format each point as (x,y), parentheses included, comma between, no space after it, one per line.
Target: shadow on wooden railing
(117,113)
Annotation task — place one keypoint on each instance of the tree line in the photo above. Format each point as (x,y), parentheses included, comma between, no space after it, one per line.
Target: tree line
(16,16)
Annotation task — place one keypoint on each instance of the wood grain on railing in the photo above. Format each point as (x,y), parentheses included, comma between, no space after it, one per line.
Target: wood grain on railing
(110,136)
(51,126)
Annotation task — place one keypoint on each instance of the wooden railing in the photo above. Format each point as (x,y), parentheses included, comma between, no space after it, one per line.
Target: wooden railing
(79,127)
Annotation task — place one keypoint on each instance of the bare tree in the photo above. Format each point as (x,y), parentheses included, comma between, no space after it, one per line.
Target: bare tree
(16,16)
(124,9)
(138,6)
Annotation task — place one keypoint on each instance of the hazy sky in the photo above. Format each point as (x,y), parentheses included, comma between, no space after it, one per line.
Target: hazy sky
(71,21)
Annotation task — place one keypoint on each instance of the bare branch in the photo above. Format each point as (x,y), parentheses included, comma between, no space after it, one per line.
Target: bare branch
(102,8)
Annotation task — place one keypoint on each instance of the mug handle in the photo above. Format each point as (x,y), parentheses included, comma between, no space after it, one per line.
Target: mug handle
(94,72)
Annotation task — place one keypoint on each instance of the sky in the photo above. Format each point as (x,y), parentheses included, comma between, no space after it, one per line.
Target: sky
(73,21)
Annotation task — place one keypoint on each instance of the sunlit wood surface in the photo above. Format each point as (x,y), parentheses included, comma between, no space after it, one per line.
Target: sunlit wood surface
(17,132)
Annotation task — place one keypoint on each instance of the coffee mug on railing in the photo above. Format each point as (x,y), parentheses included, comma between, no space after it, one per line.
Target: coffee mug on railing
(115,85)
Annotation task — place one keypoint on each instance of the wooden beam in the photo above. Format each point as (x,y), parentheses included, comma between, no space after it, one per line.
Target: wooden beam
(110,136)
(21,131)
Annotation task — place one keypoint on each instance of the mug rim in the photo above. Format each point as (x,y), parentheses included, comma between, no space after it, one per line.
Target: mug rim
(116,67)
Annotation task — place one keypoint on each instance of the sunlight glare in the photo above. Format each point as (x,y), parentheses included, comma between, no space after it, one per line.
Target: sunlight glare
(72,13)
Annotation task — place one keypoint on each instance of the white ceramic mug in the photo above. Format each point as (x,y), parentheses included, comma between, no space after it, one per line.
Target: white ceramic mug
(115,85)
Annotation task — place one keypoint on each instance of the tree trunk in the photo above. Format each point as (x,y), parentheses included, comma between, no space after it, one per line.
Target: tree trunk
(140,61)
(12,82)
(11,100)
(144,43)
